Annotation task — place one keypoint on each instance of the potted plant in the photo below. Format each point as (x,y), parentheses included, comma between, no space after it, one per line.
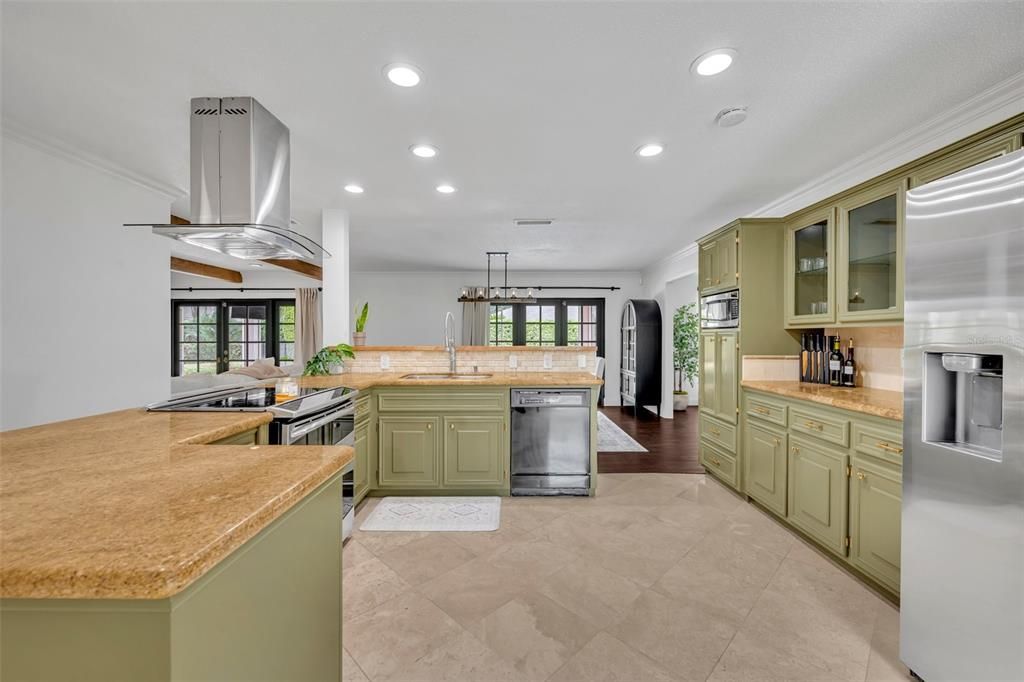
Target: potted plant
(685,344)
(359,336)
(329,360)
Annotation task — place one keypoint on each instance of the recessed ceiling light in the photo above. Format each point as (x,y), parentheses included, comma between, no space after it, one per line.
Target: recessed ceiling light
(354,189)
(445,189)
(424,151)
(403,75)
(713,62)
(650,149)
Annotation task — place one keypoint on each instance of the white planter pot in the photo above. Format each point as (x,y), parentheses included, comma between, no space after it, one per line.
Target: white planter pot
(680,401)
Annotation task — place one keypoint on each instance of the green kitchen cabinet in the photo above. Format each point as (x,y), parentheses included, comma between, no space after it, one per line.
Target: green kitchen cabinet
(810,269)
(361,469)
(718,262)
(708,397)
(870,254)
(719,374)
(257,436)
(876,493)
(764,465)
(408,452)
(817,494)
(964,158)
(474,451)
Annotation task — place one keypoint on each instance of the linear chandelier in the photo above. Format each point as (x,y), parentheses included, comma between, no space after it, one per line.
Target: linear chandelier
(496,294)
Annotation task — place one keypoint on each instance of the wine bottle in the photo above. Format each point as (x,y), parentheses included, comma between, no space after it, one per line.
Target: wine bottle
(820,361)
(849,368)
(805,358)
(835,364)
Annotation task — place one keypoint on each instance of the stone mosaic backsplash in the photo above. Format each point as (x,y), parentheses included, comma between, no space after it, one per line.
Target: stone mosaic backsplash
(475,359)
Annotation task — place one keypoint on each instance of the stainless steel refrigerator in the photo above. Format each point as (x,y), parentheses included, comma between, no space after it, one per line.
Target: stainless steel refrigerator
(962,592)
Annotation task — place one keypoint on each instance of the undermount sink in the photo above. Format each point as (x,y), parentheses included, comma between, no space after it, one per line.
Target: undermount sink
(447,375)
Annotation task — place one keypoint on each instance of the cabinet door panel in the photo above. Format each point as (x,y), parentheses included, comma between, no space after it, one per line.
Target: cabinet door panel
(870,255)
(362,468)
(764,466)
(708,266)
(809,282)
(708,373)
(473,451)
(875,506)
(817,493)
(726,250)
(965,158)
(727,386)
(408,452)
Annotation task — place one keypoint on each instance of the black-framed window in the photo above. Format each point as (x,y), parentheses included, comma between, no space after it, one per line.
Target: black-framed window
(548,322)
(208,337)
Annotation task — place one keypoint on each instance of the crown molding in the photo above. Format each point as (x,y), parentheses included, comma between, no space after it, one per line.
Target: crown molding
(996,104)
(24,134)
(679,255)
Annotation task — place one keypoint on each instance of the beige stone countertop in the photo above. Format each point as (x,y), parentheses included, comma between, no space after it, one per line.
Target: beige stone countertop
(481,349)
(874,401)
(133,505)
(364,380)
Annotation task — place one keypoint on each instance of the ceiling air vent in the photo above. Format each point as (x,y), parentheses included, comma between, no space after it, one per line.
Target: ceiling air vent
(532,222)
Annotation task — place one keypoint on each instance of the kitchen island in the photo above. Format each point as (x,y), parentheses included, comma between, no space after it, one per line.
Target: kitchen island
(166,546)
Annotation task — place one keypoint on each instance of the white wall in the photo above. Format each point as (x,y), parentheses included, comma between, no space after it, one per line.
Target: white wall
(408,308)
(667,282)
(85,300)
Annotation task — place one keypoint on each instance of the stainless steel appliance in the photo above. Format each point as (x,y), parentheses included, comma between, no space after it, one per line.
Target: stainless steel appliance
(962,593)
(240,184)
(314,417)
(550,441)
(719,311)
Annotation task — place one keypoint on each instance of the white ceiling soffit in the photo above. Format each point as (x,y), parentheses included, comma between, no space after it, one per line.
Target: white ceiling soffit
(535,108)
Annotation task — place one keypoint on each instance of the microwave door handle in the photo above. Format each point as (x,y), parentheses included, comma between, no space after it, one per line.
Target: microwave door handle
(327,419)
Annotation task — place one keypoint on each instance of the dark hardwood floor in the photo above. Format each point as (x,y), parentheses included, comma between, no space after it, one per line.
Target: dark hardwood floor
(672,443)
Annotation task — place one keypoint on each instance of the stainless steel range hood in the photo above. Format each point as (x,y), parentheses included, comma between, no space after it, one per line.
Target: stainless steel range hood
(240,184)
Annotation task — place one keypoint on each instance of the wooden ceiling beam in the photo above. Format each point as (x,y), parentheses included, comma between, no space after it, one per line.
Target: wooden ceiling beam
(203,270)
(299,266)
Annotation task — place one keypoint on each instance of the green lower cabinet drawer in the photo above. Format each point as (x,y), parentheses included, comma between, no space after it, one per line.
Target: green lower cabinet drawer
(409,452)
(764,465)
(361,469)
(719,463)
(765,408)
(445,400)
(883,442)
(817,492)
(876,493)
(474,452)
(828,426)
(718,432)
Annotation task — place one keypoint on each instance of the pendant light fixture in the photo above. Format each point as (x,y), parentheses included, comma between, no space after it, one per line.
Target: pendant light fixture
(496,294)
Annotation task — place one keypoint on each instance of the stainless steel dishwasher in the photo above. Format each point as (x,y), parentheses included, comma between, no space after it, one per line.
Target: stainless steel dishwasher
(550,441)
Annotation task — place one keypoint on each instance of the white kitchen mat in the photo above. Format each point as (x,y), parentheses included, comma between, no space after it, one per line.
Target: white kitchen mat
(610,438)
(434,514)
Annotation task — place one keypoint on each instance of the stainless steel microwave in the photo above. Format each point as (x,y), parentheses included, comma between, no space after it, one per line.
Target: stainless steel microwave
(719,311)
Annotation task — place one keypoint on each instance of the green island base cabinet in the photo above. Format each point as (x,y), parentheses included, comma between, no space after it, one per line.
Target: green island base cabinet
(270,611)
(438,441)
(832,474)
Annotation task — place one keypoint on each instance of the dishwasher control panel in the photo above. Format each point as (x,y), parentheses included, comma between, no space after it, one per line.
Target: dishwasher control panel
(549,398)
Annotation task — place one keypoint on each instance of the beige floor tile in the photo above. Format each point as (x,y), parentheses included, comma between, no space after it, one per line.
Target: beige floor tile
(531,558)
(354,554)
(527,515)
(378,542)
(811,633)
(350,670)
(597,595)
(534,634)
(368,585)
(687,513)
(474,590)
(426,558)
(457,658)
(759,529)
(397,634)
(606,659)
(686,637)
(751,659)
(829,588)
(711,493)
(631,558)
(484,543)
(658,533)
(649,491)
(884,664)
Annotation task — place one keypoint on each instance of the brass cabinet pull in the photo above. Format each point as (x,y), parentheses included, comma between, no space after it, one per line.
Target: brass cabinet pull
(813,425)
(891,448)
(761,410)
(795,450)
(451,426)
(429,426)
(716,462)
(776,441)
(861,476)
(715,431)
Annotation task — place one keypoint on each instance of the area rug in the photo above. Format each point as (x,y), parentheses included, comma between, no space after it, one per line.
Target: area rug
(610,438)
(434,514)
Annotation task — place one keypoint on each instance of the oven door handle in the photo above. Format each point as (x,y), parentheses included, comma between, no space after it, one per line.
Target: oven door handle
(316,424)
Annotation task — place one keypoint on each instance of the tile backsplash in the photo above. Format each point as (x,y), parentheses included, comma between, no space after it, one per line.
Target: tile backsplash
(879,354)
(496,360)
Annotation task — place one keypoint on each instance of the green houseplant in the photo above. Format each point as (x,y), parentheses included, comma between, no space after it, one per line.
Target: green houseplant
(685,344)
(327,358)
(359,336)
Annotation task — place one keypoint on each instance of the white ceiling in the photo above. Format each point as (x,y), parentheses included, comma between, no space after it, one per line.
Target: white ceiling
(536,107)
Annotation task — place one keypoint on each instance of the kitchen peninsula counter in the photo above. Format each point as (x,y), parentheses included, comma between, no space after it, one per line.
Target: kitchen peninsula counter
(366,380)
(874,401)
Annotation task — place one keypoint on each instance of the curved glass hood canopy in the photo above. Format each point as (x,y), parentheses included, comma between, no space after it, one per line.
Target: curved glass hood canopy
(240,170)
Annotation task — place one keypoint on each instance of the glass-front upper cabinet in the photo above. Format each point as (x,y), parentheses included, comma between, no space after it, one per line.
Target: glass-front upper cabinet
(870,255)
(809,269)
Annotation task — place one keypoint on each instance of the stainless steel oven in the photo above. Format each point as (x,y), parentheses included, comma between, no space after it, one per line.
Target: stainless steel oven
(719,311)
(333,426)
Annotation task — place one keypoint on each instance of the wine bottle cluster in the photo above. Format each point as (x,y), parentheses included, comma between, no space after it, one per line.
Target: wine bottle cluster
(822,361)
